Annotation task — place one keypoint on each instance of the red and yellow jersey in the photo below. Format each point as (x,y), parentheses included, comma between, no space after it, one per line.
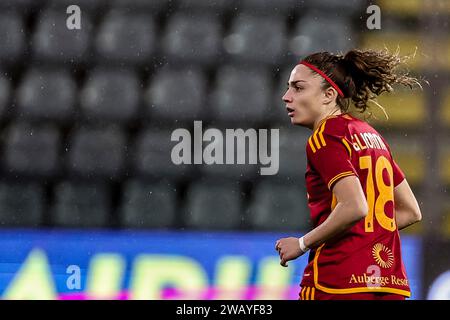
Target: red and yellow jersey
(367,257)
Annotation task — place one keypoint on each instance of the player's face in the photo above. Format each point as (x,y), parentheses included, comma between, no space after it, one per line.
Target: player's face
(303,97)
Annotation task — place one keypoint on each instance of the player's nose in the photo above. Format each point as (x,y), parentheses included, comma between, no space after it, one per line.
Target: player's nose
(287,97)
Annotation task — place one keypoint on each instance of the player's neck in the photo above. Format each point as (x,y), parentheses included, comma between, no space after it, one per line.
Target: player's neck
(326,115)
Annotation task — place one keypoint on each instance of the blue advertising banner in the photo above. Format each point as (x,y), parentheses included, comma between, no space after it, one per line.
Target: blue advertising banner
(69,264)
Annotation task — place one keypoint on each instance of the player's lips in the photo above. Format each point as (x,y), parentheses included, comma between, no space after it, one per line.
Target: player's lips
(290,111)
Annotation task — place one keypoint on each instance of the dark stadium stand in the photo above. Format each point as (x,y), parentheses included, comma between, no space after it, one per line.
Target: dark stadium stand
(45,94)
(336,35)
(240,95)
(110,95)
(199,7)
(292,153)
(165,100)
(125,37)
(5,92)
(214,205)
(21,204)
(86,116)
(394,104)
(148,204)
(446,220)
(444,113)
(278,206)
(89,6)
(407,42)
(234,171)
(256,39)
(32,150)
(79,205)
(445,160)
(12,37)
(154,6)
(20,4)
(408,153)
(192,39)
(266,6)
(96,152)
(50,42)
(150,156)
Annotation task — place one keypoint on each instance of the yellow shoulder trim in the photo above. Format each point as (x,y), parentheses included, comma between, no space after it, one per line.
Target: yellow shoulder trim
(322,129)
(338,176)
(311,144)
(317,141)
(347,146)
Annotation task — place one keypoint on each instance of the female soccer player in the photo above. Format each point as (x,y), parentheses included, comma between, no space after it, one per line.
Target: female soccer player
(357,195)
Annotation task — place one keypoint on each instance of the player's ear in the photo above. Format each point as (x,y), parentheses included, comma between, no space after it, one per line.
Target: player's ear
(329,95)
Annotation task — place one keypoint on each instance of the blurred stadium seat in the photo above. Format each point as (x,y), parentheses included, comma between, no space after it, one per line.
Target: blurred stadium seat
(110,94)
(444,159)
(12,37)
(151,156)
(408,153)
(444,113)
(234,171)
(126,37)
(200,6)
(407,42)
(176,94)
(336,35)
(345,8)
(256,39)
(241,95)
(22,5)
(402,8)
(446,219)
(293,153)
(53,41)
(32,150)
(97,152)
(213,205)
(154,6)
(21,204)
(5,93)
(101,103)
(405,108)
(90,6)
(193,39)
(45,94)
(140,200)
(81,205)
(267,6)
(278,207)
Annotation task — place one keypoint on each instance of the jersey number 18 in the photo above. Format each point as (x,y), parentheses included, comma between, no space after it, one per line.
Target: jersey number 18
(385,192)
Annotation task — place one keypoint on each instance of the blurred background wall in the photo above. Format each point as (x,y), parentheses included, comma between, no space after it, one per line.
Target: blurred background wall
(86,116)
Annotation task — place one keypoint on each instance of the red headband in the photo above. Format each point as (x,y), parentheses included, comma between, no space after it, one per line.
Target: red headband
(331,82)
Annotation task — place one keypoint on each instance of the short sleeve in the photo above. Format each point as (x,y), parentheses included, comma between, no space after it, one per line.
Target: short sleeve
(399,176)
(328,155)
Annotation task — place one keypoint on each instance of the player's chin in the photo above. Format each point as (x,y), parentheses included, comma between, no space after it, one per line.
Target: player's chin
(298,121)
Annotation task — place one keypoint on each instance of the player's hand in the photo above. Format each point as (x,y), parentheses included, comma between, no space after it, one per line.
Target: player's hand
(288,249)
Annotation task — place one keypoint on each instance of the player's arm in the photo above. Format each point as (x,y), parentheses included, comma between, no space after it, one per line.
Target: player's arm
(407,211)
(351,207)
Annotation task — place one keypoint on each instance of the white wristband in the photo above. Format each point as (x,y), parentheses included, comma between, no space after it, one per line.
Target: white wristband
(304,248)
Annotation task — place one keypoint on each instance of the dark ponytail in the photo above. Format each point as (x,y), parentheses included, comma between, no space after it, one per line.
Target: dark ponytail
(362,75)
